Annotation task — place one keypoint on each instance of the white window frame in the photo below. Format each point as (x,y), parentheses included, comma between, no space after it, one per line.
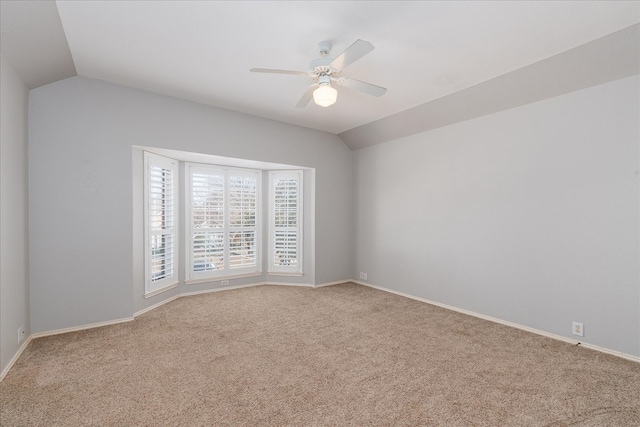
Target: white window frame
(297,268)
(192,276)
(151,286)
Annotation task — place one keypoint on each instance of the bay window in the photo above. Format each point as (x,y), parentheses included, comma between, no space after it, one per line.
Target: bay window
(222,222)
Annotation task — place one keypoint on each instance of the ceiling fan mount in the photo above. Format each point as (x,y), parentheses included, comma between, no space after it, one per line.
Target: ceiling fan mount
(324,48)
(325,71)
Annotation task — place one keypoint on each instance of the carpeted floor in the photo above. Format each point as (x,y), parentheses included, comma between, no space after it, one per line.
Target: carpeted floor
(344,355)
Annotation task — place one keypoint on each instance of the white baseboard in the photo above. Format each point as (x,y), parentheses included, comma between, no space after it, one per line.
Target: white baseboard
(225,288)
(15,358)
(151,307)
(340,282)
(506,323)
(303,285)
(228,288)
(80,328)
(57,332)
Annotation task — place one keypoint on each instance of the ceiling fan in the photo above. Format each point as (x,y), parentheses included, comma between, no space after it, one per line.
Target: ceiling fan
(325,72)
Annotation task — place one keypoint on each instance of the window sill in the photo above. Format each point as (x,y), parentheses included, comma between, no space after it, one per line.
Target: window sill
(221,278)
(161,290)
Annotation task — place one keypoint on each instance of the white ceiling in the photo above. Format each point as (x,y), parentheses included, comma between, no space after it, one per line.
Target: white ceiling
(203,50)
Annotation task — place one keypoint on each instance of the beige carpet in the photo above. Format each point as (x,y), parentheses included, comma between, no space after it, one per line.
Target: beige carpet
(344,355)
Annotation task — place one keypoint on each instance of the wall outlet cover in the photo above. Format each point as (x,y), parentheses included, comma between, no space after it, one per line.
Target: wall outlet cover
(578,329)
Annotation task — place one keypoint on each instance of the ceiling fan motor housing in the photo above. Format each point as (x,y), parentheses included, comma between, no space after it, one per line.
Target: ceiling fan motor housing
(321,66)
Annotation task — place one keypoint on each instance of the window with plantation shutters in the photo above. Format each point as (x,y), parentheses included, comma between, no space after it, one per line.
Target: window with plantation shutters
(207,221)
(160,223)
(223,222)
(242,221)
(285,222)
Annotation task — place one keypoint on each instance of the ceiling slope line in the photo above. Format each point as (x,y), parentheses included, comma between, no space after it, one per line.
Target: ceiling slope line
(606,59)
(34,42)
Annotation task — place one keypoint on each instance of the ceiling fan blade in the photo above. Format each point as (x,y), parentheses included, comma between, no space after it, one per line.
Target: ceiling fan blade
(354,52)
(306,97)
(272,71)
(362,86)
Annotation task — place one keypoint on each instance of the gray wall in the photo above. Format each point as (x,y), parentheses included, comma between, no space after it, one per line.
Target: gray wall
(82,190)
(529,215)
(14,257)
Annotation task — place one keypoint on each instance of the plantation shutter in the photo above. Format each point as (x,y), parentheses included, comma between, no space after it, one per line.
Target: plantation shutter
(223,212)
(160,224)
(285,235)
(207,221)
(242,220)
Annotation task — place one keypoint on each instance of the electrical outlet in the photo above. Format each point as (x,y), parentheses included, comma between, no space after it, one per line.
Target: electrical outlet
(578,329)
(224,282)
(363,276)
(20,334)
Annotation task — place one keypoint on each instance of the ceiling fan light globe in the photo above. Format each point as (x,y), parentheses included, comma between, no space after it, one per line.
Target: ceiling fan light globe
(325,95)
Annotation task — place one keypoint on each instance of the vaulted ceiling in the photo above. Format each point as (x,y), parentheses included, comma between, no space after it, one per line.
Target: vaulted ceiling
(425,52)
